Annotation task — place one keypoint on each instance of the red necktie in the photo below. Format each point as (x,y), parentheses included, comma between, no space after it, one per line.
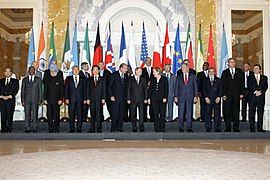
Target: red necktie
(186,79)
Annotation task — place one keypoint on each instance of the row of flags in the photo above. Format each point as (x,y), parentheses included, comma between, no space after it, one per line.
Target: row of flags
(160,57)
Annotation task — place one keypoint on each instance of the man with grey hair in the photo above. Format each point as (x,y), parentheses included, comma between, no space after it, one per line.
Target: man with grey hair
(53,97)
(31,94)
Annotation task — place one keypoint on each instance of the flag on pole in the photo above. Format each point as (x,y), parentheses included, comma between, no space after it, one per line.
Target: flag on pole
(131,50)
(200,60)
(144,49)
(109,57)
(75,52)
(52,53)
(188,52)
(41,55)
(66,61)
(156,54)
(98,53)
(31,50)
(123,48)
(224,53)
(166,51)
(177,56)
(86,48)
(211,51)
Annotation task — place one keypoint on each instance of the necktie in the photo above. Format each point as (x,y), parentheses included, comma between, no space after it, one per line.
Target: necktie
(138,82)
(232,73)
(76,81)
(212,81)
(122,78)
(7,82)
(168,76)
(86,75)
(258,79)
(246,79)
(186,79)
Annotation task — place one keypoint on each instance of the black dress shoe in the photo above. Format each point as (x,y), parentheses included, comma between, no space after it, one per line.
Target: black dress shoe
(91,131)
(3,131)
(119,130)
(252,130)
(78,131)
(236,130)
(134,130)
(50,132)
(113,131)
(99,131)
(261,130)
(190,130)
(218,131)
(34,131)
(208,130)
(71,131)
(56,131)
(142,130)
(227,130)
(181,130)
(27,131)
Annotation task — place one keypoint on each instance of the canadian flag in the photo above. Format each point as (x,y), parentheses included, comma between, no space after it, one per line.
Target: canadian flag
(156,54)
(166,51)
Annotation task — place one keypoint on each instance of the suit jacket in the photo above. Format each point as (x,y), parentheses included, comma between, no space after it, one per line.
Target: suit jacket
(171,83)
(73,94)
(38,74)
(53,88)
(96,91)
(212,91)
(82,75)
(253,86)
(146,76)
(158,91)
(137,92)
(186,92)
(201,78)
(31,92)
(232,87)
(192,71)
(11,89)
(106,75)
(250,73)
(116,87)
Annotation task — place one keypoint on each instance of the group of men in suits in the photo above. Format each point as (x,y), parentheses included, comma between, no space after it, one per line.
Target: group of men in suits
(148,89)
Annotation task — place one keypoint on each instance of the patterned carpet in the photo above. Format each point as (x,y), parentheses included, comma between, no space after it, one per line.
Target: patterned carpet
(135,163)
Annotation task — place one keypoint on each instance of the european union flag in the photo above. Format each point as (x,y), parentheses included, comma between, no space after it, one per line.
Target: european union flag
(177,56)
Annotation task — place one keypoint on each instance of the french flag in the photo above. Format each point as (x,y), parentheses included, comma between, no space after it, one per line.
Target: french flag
(123,47)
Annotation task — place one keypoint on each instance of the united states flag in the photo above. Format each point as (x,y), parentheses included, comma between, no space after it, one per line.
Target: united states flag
(144,49)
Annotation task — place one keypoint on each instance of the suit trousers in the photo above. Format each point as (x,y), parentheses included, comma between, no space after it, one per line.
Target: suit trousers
(7,111)
(53,115)
(169,113)
(208,116)
(159,111)
(31,116)
(244,105)
(133,114)
(75,111)
(185,110)
(231,108)
(96,118)
(253,107)
(118,115)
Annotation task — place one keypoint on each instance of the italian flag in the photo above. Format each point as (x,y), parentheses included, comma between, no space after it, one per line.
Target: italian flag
(86,48)
(189,54)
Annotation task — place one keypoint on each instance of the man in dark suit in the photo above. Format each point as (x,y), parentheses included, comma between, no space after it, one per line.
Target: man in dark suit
(38,73)
(212,93)
(106,75)
(185,94)
(201,78)
(245,98)
(31,97)
(53,97)
(257,86)
(75,97)
(96,95)
(171,83)
(85,75)
(117,92)
(8,89)
(137,95)
(232,91)
(192,71)
(147,74)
